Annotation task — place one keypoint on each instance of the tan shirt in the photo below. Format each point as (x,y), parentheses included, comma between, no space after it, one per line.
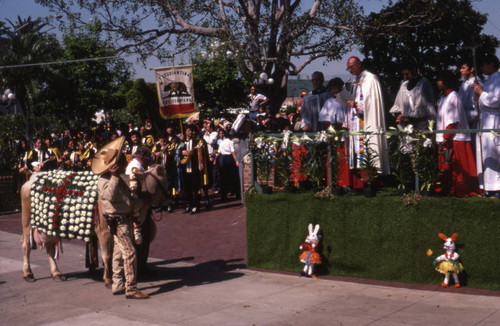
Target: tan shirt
(114,196)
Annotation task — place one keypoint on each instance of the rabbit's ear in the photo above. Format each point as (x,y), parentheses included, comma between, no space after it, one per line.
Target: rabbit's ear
(454,237)
(310,228)
(442,236)
(316,229)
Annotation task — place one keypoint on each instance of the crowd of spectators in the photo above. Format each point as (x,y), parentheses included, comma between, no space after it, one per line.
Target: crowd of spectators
(204,155)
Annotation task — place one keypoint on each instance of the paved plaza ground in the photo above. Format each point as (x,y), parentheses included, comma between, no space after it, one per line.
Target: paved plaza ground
(202,279)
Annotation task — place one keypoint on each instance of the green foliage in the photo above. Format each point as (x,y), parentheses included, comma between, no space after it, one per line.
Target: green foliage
(264,155)
(82,88)
(434,35)
(284,165)
(26,42)
(52,97)
(7,157)
(12,126)
(315,162)
(218,85)
(378,238)
(368,170)
(142,100)
(123,115)
(401,167)
(264,36)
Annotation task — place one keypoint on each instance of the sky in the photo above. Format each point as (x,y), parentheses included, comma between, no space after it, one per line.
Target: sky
(10,9)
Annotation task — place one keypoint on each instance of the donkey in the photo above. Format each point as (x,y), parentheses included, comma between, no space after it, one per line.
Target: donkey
(154,193)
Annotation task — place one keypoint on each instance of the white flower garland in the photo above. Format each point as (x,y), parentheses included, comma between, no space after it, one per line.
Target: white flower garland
(62,203)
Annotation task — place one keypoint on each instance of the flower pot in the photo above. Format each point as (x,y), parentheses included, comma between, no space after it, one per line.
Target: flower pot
(306,185)
(337,191)
(369,191)
(427,193)
(266,189)
(403,191)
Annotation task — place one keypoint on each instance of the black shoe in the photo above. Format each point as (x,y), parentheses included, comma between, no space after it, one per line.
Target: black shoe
(195,210)
(187,210)
(170,209)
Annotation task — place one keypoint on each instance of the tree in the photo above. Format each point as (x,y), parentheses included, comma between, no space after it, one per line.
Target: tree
(24,44)
(265,35)
(78,89)
(142,100)
(435,35)
(218,84)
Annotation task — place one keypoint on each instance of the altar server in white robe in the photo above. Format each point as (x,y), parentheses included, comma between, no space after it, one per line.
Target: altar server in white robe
(488,98)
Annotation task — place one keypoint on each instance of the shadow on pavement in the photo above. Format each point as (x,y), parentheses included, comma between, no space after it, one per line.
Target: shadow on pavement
(204,273)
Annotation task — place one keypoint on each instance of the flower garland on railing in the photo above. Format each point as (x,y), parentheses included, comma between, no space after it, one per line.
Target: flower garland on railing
(268,150)
(63,203)
(418,148)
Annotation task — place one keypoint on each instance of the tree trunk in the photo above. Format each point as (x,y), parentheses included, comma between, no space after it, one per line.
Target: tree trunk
(278,90)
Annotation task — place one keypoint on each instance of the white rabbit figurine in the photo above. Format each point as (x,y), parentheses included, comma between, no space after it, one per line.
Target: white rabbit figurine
(310,257)
(448,262)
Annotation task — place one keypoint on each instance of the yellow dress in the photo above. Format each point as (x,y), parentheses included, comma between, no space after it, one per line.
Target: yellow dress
(449,265)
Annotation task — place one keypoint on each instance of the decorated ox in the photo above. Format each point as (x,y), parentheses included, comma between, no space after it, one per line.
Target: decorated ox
(59,205)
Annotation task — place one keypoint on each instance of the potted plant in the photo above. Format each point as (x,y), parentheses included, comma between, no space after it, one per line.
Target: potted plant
(283,164)
(335,160)
(368,171)
(400,161)
(264,159)
(425,161)
(315,163)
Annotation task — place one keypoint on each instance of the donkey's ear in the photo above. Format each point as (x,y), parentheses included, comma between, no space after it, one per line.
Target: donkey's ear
(442,236)
(316,229)
(454,237)
(310,228)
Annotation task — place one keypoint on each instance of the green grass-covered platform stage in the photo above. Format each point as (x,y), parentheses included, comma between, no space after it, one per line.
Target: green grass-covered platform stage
(377,238)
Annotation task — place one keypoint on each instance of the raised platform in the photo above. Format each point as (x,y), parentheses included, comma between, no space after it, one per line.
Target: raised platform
(377,238)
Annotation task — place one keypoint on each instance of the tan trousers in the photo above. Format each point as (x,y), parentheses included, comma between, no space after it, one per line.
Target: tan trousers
(124,261)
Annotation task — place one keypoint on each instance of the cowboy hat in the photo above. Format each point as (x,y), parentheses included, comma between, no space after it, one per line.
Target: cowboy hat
(107,155)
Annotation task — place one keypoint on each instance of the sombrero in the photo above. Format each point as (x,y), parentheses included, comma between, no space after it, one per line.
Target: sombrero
(107,155)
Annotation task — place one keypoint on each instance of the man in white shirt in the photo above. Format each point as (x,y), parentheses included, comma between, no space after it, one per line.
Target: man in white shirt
(227,168)
(142,234)
(210,137)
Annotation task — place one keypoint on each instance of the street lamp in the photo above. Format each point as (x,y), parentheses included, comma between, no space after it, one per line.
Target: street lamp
(214,51)
(8,99)
(264,79)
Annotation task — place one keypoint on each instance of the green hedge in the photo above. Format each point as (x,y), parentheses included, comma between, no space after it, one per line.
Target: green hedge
(376,238)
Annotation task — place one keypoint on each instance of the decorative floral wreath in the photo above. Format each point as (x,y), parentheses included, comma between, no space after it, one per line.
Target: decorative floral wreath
(63,203)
